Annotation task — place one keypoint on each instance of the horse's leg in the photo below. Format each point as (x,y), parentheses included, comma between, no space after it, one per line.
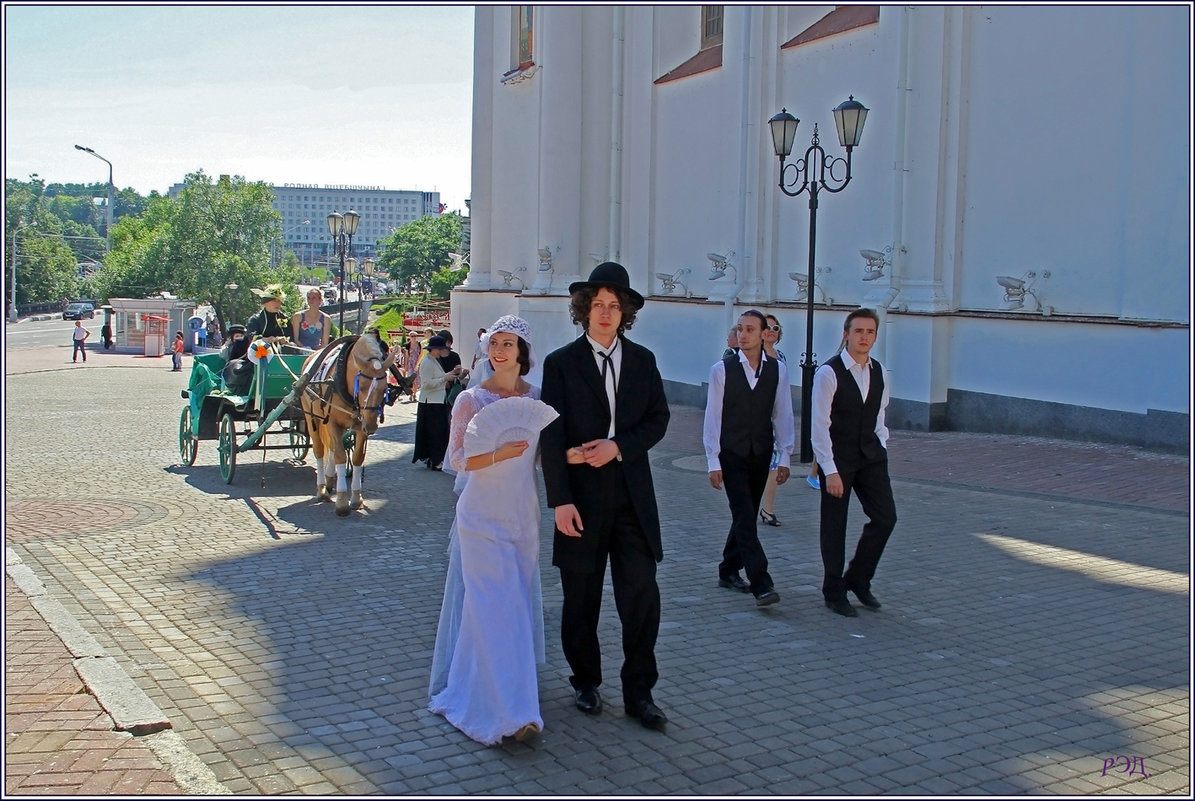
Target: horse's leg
(315,434)
(336,433)
(357,500)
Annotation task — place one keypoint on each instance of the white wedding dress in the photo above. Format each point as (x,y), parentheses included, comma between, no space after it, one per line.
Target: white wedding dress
(491,632)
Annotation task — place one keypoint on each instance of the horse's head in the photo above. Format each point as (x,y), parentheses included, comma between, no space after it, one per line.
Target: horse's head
(368,367)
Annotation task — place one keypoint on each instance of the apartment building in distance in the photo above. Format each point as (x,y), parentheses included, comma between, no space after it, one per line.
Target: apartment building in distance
(382,211)
(305,209)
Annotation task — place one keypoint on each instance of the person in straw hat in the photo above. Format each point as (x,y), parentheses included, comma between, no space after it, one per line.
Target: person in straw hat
(270,322)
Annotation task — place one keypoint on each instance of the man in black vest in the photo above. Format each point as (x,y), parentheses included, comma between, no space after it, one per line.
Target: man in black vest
(749,408)
(850,441)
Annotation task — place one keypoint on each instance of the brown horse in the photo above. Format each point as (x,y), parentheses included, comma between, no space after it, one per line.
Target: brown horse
(347,392)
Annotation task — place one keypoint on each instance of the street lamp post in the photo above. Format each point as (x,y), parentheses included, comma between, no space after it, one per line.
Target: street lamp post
(812,174)
(111,192)
(367,268)
(12,313)
(281,238)
(342,227)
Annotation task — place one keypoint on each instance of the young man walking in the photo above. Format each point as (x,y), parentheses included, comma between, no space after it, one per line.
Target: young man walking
(610,397)
(850,443)
(748,408)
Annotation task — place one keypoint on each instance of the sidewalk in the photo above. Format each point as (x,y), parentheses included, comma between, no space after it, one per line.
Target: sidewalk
(1035,623)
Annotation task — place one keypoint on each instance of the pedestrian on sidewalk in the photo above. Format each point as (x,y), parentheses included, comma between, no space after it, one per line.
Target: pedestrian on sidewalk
(767,507)
(610,397)
(850,442)
(79,336)
(176,353)
(748,414)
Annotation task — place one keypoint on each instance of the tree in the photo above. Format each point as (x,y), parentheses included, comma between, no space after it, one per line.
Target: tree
(413,254)
(211,244)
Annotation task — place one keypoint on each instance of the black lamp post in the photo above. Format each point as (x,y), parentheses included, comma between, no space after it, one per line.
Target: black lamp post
(342,227)
(812,174)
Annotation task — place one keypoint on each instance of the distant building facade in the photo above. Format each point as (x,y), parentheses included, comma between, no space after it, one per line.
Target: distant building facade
(1018,212)
(382,212)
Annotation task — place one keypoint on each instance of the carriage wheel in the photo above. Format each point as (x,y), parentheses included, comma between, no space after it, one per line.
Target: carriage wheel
(228,447)
(300,442)
(188,443)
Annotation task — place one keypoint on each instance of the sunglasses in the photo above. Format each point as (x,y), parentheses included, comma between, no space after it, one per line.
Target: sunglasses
(775,328)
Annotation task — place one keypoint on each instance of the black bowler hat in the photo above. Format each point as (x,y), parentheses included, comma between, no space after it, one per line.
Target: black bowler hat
(610,275)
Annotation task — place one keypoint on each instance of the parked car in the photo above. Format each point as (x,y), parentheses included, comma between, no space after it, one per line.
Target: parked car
(77,311)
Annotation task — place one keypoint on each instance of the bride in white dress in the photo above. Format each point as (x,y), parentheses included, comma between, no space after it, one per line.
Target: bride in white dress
(491,636)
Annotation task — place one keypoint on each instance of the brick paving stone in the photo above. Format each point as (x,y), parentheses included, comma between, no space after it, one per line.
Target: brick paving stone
(290,648)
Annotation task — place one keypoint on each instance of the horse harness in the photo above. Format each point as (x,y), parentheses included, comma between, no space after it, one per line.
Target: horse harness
(324,388)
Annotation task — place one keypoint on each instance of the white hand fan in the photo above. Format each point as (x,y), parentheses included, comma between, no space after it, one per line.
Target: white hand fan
(506,420)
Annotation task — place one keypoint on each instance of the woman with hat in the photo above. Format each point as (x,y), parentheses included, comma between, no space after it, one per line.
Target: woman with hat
(271,323)
(431,415)
(491,632)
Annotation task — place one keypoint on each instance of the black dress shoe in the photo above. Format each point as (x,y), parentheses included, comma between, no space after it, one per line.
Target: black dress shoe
(588,700)
(734,582)
(865,597)
(649,715)
(843,607)
(767,597)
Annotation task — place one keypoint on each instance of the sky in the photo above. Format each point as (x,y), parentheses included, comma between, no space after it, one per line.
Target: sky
(364,95)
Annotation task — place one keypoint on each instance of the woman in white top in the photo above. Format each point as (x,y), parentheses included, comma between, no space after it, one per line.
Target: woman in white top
(491,632)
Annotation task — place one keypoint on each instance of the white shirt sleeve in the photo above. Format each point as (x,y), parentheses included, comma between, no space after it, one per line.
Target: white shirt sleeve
(882,417)
(711,433)
(782,417)
(825,384)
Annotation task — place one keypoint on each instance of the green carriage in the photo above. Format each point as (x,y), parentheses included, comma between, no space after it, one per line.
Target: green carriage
(269,408)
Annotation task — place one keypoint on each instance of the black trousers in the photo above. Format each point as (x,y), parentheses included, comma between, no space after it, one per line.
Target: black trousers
(744,479)
(871,483)
(79,347)
(636,596)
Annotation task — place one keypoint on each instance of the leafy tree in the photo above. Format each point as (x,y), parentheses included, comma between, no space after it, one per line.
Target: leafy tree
(413,254)
(445,279)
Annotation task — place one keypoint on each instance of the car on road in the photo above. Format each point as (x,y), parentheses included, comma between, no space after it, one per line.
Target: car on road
(77,311)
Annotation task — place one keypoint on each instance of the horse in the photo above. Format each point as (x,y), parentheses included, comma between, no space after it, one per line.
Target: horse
(347,391)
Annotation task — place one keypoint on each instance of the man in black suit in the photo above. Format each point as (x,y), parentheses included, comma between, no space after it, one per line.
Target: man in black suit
(610,398)
(850,443)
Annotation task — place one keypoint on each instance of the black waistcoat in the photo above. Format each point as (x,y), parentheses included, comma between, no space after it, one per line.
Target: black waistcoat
(853,419)
(747,412)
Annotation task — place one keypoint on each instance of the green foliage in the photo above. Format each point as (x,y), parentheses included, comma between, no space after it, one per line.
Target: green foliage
(444,280)
(413,254)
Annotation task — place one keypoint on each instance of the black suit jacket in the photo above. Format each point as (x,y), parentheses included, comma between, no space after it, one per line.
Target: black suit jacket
(572,385)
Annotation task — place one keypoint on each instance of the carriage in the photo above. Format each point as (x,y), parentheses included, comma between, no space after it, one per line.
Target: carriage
(329,401)
(268,409)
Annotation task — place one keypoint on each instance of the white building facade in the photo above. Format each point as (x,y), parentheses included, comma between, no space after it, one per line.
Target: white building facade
(1022,186)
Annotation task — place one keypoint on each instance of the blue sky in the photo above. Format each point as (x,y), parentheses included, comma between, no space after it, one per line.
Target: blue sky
(374,95)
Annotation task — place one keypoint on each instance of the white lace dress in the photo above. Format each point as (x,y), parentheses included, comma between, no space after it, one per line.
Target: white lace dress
(491,632)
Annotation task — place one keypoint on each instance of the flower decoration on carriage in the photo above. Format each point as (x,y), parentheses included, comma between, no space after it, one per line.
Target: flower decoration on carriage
(260,349)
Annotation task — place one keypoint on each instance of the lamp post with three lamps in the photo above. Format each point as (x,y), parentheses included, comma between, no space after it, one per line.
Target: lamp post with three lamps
(813,173)
(342,227)
(111,192)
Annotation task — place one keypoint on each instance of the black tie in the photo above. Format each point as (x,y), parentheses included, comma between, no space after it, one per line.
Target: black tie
(608,369)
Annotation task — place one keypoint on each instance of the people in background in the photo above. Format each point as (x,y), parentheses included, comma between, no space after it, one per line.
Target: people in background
(79,335)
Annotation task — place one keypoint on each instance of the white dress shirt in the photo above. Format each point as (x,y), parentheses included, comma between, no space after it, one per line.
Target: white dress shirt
(615,353)
(782,411)
(825,384)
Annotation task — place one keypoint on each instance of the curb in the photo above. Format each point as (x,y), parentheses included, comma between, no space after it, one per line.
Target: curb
(127,704)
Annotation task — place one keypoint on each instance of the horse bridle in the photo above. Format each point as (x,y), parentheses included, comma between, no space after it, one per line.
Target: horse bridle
(380,409)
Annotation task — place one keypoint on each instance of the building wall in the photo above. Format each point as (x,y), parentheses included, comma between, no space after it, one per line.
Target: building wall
(1047,144)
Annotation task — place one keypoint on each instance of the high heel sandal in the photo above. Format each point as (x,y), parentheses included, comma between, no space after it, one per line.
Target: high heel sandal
(768,518)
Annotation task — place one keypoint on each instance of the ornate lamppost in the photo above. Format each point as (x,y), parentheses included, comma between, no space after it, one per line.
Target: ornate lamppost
(813,173)
(342,227)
